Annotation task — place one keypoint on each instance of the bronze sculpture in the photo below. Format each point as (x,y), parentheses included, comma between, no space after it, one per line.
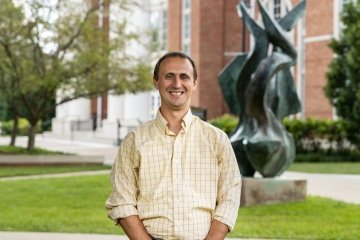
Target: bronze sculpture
(259,87)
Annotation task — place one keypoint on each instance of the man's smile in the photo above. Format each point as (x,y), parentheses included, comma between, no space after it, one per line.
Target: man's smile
(176,93)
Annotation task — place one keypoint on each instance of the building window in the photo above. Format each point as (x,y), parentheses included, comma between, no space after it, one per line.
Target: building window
(343,3)
(277,9)
(163,32)
(186,26)
(159,30)
(155,104)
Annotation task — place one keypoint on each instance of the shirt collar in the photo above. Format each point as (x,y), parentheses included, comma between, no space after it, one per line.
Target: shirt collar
(163,124)
(160,120)
(187,120)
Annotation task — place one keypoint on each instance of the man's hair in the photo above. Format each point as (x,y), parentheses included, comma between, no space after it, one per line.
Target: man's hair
(171,55)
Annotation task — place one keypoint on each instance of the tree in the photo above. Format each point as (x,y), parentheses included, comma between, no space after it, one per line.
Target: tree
(62,47)
(11,30)
(343,82)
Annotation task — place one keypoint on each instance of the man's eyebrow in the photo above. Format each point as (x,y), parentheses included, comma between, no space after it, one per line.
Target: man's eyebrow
(169,73)
(180,73)
(187,74)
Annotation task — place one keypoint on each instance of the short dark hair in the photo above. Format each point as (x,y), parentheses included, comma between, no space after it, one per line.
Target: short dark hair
(171,55)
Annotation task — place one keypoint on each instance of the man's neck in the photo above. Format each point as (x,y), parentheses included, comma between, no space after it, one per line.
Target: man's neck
(174,119)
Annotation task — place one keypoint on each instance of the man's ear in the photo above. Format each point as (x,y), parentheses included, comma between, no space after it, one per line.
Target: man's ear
(155,83)
(195,84)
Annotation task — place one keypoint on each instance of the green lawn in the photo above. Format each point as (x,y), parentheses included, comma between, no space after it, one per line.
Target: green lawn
(315,218)
(329,167)
(76,204)
(10,171)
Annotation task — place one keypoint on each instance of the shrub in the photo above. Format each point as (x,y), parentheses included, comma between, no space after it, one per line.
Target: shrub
(353,156)
(23,127)
(226,122)
(315,140)
(314,135)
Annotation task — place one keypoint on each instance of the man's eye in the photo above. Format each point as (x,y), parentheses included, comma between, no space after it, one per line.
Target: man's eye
(169,76)
(184,76)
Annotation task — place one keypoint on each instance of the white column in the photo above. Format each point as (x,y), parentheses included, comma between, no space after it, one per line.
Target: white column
(76,110)
(115,107)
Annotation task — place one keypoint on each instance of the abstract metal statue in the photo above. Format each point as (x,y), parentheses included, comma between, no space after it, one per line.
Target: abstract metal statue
(258,86)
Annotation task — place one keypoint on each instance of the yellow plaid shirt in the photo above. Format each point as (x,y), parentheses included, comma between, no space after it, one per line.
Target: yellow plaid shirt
(176,184)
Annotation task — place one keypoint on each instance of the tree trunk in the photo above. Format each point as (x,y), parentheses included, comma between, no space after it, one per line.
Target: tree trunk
(31,136)
(14,130)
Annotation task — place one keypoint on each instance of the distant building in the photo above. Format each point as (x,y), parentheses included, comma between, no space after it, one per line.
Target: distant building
(103,114)
(212,32)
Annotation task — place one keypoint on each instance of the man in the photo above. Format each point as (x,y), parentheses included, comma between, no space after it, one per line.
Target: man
(175,177)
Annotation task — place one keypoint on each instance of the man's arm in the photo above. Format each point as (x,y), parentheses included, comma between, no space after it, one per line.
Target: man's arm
(122,202)
(217,231)
(229,185)
(134,228)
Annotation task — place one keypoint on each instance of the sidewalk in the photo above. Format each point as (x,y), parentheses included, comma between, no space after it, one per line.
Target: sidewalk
(72,236)
(57,236)
(342,187)
(78,147)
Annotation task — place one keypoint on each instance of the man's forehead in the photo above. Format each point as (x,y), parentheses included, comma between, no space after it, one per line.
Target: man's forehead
(176,59)
(176,64)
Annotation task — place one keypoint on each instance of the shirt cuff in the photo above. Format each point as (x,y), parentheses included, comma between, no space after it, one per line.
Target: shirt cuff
(226,222)
(122,212)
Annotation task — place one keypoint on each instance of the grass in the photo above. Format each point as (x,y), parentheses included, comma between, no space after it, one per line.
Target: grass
(315,218)
(11,171)
(76,204)
(330,167)
(6,149)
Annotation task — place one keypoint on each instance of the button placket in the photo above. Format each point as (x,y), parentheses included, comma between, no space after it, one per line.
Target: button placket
(177,182)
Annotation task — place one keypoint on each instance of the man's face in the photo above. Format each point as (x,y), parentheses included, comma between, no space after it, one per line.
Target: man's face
(175,83)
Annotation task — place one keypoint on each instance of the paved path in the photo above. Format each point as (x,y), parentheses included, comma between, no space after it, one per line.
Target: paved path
(71,236)
(56,175)
(57,236)
(343,187)
(79,147)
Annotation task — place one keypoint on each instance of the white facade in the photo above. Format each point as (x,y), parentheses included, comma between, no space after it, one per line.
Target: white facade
(128,109)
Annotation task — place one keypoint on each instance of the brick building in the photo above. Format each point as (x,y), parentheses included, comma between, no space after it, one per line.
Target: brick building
(213,33)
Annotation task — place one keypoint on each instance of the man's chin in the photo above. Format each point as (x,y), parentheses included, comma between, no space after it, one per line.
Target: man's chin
(179,107)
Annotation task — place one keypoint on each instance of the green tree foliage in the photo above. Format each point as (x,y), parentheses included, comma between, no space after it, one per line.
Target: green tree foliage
(343,76)
(12,28)
(49,47)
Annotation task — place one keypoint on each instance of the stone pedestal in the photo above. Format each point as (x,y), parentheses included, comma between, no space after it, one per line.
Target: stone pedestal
(258,191)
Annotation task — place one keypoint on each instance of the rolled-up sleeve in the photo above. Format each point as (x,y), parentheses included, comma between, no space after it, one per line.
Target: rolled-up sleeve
(122,201)
(229,185)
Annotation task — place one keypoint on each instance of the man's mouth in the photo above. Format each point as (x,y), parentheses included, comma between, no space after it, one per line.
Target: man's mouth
(176,93)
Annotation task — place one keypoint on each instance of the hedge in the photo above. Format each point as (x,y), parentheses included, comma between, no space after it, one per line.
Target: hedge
(310,135)
(23,127)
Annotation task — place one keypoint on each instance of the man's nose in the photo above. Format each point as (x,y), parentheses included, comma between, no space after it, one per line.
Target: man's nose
(177,81)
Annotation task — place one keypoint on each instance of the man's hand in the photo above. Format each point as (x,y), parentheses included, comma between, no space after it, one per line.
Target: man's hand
(134,228)
(217,231)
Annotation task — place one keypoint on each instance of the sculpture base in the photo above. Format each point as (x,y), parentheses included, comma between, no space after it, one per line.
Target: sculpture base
(259,191)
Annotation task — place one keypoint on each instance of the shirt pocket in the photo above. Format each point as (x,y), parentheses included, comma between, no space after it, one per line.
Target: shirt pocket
(203,170)
(154,170)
